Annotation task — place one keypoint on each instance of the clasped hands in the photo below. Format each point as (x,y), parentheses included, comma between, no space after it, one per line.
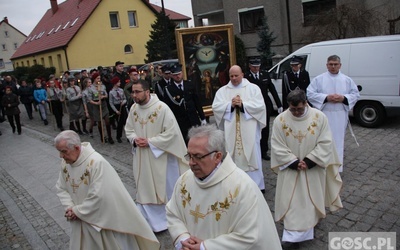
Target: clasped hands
(236,102)
(336,98)
(141,142)
(192,243)
(302,165)
(70,215)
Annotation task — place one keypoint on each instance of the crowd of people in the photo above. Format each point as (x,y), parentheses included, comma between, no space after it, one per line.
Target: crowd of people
(202,182)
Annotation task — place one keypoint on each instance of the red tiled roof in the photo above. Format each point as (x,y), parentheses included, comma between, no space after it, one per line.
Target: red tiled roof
(57,30)
(54,31)
(172,14)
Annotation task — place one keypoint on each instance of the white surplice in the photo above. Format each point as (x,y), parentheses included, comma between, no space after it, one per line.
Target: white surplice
(337,113)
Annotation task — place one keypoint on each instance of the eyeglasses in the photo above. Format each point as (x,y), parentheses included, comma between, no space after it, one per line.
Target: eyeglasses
(137,91)
(298,110)
(189,156)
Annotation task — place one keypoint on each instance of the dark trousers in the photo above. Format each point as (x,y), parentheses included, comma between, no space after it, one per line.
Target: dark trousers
(121,119)
(28,107)
(57,110)
(264,137)
(17,121)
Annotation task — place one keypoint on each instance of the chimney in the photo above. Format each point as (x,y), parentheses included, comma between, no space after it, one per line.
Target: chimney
(5,20)
(54,6)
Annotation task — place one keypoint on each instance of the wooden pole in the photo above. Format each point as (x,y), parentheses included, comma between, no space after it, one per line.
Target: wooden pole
(99,91)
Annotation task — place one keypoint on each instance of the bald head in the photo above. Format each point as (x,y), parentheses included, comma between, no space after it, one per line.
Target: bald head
(235,75)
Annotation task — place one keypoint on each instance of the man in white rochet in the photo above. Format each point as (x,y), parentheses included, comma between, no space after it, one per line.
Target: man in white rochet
(240,111)
(158,150)
(98,206)
(216,205)
(335,94)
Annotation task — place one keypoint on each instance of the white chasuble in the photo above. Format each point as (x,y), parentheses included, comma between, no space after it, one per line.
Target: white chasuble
(301,196)
(226,210)
(156,122)
(242,129)
(108,217)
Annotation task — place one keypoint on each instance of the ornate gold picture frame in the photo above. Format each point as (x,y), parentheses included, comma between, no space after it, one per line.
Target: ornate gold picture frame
(206,54)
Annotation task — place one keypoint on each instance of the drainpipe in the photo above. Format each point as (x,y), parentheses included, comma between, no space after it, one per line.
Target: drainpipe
(289,29)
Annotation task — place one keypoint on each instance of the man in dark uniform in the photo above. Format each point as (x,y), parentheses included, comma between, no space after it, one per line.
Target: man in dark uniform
(120,73)
(165,80)
(262,80)
(295,78)
(184,102)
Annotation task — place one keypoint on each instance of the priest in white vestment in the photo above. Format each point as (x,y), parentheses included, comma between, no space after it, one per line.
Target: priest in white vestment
(335,94)
(158,150)
(216,205)
(101,211)
(240,111)
(305,159)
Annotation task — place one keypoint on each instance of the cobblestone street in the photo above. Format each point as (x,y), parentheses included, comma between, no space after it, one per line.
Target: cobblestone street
(31,216)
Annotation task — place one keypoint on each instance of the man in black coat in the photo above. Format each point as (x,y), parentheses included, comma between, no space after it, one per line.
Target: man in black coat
(184,102)
(295,78)
(262,80)
(161,84)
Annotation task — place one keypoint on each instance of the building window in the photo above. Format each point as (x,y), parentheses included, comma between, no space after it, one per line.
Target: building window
(51,61)
(128,49)
(6,33)
(114,20)
(15,45)
(1,63)
(3,46)
(132,18)
(251,20)
(314,8)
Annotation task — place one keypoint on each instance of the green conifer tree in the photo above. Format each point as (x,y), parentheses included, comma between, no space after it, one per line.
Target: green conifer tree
(264,45)
(162,43)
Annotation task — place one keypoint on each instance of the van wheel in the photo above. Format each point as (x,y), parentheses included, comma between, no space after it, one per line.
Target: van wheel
(369,114)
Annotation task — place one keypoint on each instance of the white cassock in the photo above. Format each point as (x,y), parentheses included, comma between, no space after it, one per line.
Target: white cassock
(157,167)
(301,196)
(242,129)
(226,210)
(337,113)
(108,217)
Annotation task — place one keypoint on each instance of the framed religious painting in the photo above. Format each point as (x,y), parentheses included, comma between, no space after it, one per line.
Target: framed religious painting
(206,54)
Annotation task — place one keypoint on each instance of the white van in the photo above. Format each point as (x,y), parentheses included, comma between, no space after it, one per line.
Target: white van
(372,62)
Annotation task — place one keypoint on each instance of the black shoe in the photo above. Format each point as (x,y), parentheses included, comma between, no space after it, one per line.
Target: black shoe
(266,157)
(119,140)
(61,128)
(85,132)
(13,130)
(30,118)
(19,132)
(111,141)
(46,122)
(80,132)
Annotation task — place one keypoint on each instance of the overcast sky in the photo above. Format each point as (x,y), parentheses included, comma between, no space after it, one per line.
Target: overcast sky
(25,14)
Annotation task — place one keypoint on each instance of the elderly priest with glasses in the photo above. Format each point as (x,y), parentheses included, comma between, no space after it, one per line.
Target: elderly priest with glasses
(216,205)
